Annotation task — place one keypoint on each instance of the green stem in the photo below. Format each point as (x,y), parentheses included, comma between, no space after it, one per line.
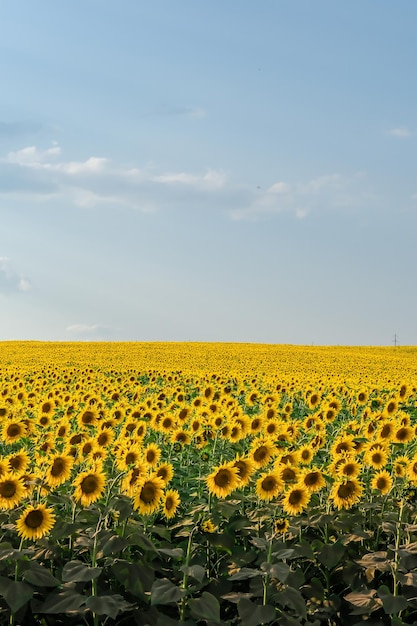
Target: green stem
(267,577)
(185,576)
(397,545)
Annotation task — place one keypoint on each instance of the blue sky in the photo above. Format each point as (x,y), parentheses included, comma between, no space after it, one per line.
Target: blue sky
(223,171)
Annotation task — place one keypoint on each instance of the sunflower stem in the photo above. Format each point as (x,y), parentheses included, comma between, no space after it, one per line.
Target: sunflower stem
(185,576)
(395,582)
(267,576)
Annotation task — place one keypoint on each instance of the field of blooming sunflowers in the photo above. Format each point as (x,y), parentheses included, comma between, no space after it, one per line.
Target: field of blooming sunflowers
(165,483)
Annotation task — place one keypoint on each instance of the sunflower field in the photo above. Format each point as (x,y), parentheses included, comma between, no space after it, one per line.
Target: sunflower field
(203,484)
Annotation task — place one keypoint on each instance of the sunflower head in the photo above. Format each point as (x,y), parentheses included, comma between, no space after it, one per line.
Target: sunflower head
(35,522)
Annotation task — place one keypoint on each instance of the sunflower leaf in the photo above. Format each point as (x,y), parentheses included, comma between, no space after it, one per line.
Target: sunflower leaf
(165,592)
(205,608)
(16,594)
(254,614)
(108,605)
(76,571)
(39,576)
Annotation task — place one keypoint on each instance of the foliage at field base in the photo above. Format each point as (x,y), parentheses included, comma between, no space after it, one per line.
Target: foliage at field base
(205,484)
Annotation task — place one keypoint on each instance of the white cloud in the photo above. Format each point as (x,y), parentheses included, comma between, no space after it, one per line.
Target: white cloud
(327,192)
(97,181)
(10,280)
(402,132)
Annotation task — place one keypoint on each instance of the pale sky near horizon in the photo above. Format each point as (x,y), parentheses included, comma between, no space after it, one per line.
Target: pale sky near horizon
(209,171)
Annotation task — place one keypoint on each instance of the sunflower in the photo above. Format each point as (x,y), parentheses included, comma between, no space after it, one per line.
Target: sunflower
(134,478)
(269,485)
(403,434)
(256,424)
(348,468)
(287,473)
(362,397)
(376,458)
(262,450)
(89,487)
(391,406)
(412,470)
(180,436)
(400,466)
(18,462)
(170,503)
(104,438)
(13,430)
(88,417)
(35,522)
(152,454)
(245,467)
(305,454)
(295,500)
(281,526)
(312,479)
(166,472)
(59,470)
(128,456)
(386,431)
(344,444)
(223,480)
(382,481)
(347,493)
(149,495)
(11,491)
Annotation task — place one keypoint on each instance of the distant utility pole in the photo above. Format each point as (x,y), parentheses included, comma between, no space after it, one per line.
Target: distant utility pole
(395,340)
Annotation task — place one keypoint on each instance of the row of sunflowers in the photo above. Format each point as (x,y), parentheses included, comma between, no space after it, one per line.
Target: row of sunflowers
(247,494)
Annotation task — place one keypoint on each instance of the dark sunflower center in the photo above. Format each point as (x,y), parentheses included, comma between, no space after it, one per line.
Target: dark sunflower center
(89,484)
(148,493)
(34,519)
(346,490)
(260,454)
(382,483)
(311,479)
(242,469)
(130,458)
(269,483)
(288,475)
(222,478)
(58,467)
(169,503)
(7,489)
(296,496)
(16,462)
(13,430)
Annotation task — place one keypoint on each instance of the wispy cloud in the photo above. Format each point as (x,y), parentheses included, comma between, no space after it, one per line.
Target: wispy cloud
(10,280)
(98,180)
(401,131)
(327,192)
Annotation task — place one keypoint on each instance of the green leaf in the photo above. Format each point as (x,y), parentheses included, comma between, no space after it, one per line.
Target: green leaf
(76,571)
(17,594)
(62,602)
(254,614)
(39,576)
(113,545)
(292,598)
(195,571)
(165,592)
(331,553)
(108,605)
(246,572)
(207,608)
(280,571)
(176,553)
(392,604)
(136,578)
(142,541)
